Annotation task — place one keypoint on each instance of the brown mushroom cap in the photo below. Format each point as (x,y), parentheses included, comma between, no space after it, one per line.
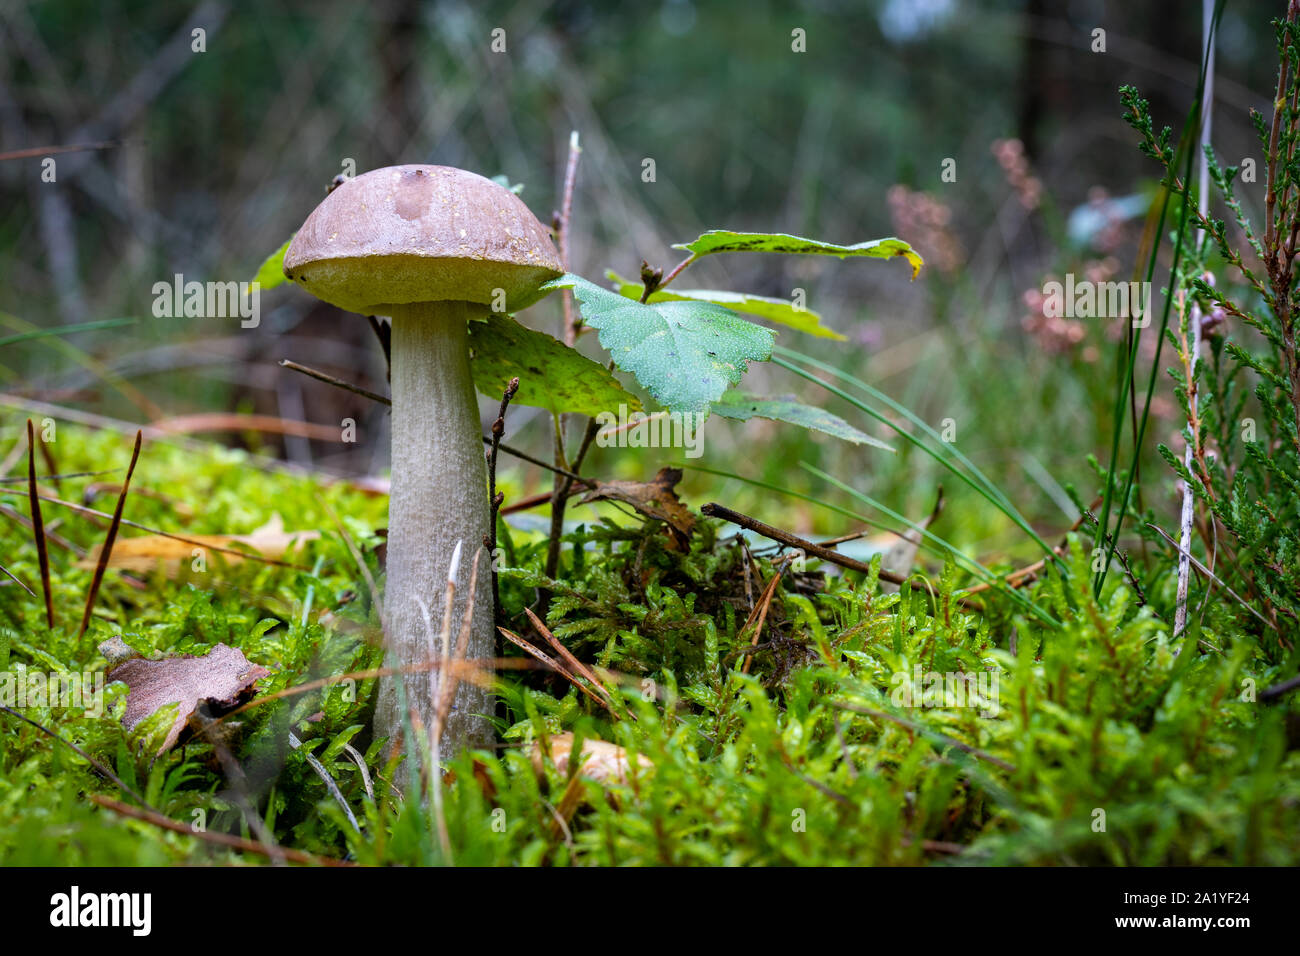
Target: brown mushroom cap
(406,234)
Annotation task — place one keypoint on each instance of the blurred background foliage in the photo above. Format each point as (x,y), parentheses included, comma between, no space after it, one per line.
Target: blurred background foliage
(219,156)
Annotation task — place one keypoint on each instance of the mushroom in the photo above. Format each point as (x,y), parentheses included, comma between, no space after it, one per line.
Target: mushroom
(433,248)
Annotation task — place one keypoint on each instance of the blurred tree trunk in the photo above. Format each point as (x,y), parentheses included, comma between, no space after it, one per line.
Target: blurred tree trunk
(1033,76)
(396,44)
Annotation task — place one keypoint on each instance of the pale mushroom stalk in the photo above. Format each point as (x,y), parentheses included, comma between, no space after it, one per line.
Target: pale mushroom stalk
(434,248)
(438,497)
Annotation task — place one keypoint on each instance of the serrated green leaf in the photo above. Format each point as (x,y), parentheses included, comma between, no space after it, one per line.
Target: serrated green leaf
(721,240)
(786,408)
(774,310)
(551,375)
(685,353)
(271,272)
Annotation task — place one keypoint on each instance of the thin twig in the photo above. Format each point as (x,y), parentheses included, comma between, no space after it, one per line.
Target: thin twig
(121,785)
(562,483)
(467,669)
(564,220)
(19,581)
(70,474)
(1208,573)
(1277,690)
(220,839)
(758,615)
(336,382)
(550,662)
(239,789)
(715,510)
(570,659)
(375,397)
(54,150)
(450,680)
(494,497)
(1191,351)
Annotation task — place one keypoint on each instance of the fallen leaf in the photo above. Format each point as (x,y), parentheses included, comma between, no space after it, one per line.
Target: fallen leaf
(151,550)
(654,499)
(224,677)
(602,761)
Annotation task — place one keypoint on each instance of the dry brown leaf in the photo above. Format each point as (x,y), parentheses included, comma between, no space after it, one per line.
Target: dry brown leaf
(602,761)
(654,499)
(224,676)
(149,551)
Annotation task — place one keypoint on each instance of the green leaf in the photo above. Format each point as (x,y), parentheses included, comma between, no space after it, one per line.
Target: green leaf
(551,375)
(774,310)
(786,408)
(720,240)
(685,353)
(271,272)
(502,180)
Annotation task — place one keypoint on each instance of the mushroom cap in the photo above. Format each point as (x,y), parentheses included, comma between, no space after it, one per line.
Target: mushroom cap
(406,234)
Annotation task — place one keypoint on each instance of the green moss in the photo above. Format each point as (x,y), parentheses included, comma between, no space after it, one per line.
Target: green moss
(812,757)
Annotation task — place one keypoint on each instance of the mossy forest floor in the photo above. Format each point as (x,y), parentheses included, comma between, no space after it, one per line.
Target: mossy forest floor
(1101,742)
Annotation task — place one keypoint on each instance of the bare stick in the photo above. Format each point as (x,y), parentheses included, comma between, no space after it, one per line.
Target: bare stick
(566,216)
(715,510)
(52,150)
(494,497)
(759,614)
(336,382)
(1194,318)
(561,485)
(375,397)
(219,839)
(569,659)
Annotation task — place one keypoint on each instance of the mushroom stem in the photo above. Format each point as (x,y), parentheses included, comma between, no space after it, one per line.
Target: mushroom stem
(438,497)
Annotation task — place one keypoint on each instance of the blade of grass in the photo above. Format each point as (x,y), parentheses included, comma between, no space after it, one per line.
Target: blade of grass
(38,526)
(1109,540)
(899,408)
(107,550)
(66,330)
(969,563)
(983,487)
(88,362)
